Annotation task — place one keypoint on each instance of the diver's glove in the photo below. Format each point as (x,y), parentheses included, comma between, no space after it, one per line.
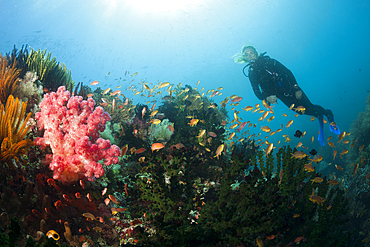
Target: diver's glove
(298,94)
(272,99)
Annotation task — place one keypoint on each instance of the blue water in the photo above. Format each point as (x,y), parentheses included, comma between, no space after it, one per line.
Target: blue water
(324,43)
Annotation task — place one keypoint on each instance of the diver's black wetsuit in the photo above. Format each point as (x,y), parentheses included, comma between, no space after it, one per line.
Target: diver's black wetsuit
(270,77)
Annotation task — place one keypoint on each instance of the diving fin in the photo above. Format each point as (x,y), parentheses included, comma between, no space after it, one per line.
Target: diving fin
(321,137)
(335,128)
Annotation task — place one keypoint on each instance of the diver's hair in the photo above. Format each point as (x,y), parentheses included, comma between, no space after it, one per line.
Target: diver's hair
(240,58)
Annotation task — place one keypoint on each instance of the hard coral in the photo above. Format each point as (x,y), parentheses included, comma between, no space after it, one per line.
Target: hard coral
(72,132)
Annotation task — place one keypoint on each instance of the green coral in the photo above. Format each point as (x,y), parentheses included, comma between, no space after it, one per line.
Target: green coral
(161,132)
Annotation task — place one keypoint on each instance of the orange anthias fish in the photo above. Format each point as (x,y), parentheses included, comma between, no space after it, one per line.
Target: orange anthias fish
(106,91)
(299,155)
(193,122)
(157,146)
(341,136)
(309,167)
(113,199)
(89,215)
(265,129)
(219,150)
(289,123)
(140,150)
(334,154)
(124,150)
(269,149)
(236,99)
(143,112)
(317,180)
(355,169)
(94,83)
(171,128)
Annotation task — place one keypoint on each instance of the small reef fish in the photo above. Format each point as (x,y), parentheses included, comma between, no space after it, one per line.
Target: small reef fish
(90,95)
(113,199)
(299,155)
(94,83)
(269,148)
(317,180)
(339,167)
(124,150)
(265,129)
(155,121)
(157,146)
(201,133)
(289,123)
(241,126)
(193,122)
(317,199)
(106,91)
(219,150)
(309,167)
(116,92)
(53,234)
(140,150)
(89,215)
(163,84)
(236,99)
(171,128)
(231,136)
(333,182)
(317,158)
(143,112)
(300,108)
(214,93)
(248,108)
(212,134)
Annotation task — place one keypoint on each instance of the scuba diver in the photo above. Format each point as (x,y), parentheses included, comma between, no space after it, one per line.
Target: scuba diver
(271,81)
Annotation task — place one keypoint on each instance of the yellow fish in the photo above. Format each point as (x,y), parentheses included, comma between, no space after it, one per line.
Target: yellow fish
(269,148)
(289,123)
(106,91)
(163,84)
(155,121)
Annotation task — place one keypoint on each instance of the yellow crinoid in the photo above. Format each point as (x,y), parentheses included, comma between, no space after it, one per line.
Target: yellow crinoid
(8,78)
(13,129)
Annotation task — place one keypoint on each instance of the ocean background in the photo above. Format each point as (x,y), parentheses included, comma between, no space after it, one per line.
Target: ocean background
(324,43)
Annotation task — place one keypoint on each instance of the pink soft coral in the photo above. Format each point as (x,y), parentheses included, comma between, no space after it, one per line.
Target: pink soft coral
(72,132)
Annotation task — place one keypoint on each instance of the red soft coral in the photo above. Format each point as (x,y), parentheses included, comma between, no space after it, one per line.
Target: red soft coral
(72,132)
